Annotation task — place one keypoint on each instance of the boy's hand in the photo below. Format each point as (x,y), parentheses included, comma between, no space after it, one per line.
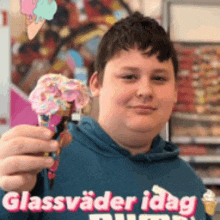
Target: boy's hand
(22,151)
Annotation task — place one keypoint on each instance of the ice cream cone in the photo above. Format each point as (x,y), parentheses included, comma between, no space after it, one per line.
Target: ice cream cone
(54,99)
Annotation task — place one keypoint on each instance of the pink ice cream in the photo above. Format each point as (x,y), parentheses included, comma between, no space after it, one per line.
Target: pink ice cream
(54,92)
(27,7)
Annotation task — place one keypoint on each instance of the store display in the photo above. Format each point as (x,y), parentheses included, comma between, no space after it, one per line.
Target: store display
(195,123)
(198,80)
(198,91)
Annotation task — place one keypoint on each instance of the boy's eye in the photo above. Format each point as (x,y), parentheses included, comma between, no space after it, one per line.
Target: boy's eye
(130,76)
(159,78)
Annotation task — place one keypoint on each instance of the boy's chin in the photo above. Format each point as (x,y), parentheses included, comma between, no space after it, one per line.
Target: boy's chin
(144,127)
(141,128)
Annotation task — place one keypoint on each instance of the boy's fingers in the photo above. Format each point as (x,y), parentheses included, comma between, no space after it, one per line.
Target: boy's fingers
(19,164)
(38,132)
(21,145)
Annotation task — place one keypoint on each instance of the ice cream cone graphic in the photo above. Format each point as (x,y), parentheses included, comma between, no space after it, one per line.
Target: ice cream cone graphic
(36,13)
(209,202)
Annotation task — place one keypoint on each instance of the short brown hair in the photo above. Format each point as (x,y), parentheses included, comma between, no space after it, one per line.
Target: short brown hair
(135,31)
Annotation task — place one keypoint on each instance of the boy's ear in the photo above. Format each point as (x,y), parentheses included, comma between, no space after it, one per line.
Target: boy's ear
(94,84)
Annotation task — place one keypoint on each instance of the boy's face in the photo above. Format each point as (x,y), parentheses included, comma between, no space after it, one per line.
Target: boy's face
(137,94)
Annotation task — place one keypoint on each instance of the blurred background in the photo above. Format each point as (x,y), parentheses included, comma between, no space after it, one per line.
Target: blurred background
(68,43)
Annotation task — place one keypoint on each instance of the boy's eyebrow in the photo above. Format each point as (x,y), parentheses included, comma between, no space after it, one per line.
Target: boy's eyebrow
(160,70)
(136,69)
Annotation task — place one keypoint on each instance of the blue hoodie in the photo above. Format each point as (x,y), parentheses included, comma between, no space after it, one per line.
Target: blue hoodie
(98,180)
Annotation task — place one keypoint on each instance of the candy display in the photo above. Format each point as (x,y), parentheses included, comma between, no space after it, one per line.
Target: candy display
(196,113)
(54,99)
(199,79)
(195,123)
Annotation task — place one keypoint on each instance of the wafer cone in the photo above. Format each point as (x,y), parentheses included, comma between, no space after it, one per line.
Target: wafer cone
(210,207)
(58,126)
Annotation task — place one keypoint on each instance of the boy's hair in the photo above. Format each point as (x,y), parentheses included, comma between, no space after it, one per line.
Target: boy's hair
(131,32)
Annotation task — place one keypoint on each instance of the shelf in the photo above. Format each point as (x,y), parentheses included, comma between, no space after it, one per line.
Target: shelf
(195,140)
(211,181)
(201,159)
(190,116)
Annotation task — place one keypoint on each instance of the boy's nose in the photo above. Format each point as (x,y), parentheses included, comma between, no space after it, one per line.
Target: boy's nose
(145,90)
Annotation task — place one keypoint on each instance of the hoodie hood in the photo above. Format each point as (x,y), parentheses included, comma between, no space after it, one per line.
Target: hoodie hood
(89,133)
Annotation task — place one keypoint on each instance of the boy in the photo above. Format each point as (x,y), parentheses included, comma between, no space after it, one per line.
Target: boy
(118,167)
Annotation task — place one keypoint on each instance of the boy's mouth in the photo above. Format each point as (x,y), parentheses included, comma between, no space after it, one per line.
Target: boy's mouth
(144,107)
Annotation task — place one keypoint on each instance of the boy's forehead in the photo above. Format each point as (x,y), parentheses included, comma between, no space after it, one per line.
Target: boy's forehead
(133,51)
(124,54)
(123,60)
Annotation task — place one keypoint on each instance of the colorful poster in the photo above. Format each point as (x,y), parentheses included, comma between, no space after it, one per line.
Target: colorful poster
(61,37)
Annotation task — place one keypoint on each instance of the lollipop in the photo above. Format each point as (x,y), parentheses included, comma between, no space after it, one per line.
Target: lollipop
(54,99)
